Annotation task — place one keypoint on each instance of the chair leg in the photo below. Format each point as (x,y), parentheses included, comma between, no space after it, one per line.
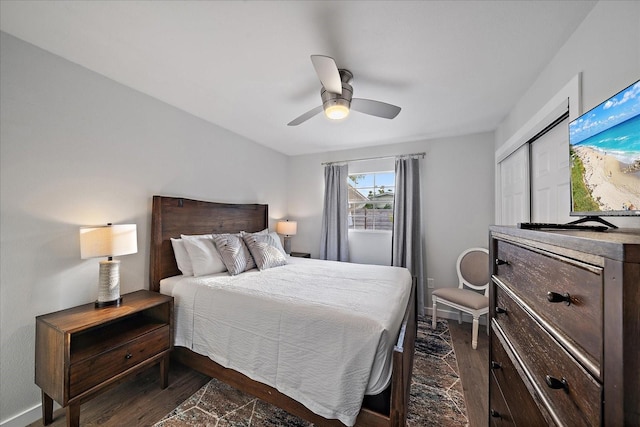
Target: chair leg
(487,324)
(459,317)
(434,314)
(474,335)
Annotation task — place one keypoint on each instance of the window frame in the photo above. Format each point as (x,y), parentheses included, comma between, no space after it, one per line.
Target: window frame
(376,226)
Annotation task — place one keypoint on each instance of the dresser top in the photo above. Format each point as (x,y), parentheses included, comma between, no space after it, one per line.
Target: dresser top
(619,244)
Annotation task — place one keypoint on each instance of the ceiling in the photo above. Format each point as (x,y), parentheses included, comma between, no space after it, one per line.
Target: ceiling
(455,67)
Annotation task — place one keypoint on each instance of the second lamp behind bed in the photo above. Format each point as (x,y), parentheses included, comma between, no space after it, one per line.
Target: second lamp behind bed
(288,229)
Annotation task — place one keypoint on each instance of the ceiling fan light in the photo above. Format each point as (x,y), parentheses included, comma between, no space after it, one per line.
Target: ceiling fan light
(336,112)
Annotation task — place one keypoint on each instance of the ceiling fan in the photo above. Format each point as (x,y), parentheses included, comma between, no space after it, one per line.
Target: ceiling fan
(337,92)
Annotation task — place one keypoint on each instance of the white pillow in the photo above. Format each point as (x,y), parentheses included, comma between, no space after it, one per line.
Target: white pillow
(205,258)
(182,257)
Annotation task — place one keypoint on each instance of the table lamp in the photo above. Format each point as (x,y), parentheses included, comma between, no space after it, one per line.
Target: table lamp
(108,241)
(288,229)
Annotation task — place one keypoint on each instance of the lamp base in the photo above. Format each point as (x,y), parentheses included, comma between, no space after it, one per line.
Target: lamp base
(109,284)
(287,245)
(115,302)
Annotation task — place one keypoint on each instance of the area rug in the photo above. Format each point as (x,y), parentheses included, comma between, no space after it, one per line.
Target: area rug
(436,393)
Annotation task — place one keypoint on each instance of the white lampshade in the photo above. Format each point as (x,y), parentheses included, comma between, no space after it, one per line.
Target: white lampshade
(108,241)
(288,228)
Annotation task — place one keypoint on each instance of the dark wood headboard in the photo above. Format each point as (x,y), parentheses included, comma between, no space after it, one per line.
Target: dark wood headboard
(173,216)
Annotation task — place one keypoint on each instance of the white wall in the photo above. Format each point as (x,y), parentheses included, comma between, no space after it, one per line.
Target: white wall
(79,149)
(605,49)
(371,246)
(457,197)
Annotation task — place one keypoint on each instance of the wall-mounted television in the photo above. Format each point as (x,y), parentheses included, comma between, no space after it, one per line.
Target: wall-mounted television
(604,145)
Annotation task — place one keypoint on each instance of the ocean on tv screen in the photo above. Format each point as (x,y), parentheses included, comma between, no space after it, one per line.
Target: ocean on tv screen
(605,169)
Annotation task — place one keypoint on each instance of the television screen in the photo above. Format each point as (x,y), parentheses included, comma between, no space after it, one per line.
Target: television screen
(604,144)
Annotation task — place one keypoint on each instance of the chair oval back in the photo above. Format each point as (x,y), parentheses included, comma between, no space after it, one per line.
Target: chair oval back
(473,268)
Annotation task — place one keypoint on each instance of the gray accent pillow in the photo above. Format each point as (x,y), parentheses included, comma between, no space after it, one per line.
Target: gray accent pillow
(275,239)
(264,251)
(235,255)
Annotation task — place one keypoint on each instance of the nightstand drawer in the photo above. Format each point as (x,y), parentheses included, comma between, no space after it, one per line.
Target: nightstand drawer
(532,275)
(569,390)
(93,371)
(82,350)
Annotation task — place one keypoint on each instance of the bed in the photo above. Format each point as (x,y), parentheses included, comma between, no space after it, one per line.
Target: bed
(173,217)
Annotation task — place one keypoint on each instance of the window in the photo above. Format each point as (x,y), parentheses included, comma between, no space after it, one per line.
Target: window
(371,201)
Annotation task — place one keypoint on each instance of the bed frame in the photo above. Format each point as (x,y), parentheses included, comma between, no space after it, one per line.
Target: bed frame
(172,216)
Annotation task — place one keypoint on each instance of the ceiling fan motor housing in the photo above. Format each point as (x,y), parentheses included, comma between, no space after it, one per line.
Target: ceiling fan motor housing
(329,99)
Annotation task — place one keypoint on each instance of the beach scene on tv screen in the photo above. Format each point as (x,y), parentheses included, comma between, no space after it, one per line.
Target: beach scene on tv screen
(605,155)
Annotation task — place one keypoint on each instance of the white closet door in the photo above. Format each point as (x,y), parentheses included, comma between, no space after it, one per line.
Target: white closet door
(514,187)
(550,176)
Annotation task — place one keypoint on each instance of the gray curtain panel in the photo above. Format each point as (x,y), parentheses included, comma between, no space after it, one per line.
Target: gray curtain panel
(407,242)
(334,243)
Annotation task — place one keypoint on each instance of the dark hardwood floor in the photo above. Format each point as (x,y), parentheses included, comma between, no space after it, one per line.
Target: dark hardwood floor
(474,371)
(140,401)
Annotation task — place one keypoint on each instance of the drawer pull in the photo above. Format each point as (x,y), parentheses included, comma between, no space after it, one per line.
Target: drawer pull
(495,365)
(128,356)
(495,414)
(556,297)
(500,310)
(501,262)
(556,384)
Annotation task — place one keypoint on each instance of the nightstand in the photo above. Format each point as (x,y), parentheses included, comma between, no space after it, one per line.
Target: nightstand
(300,254)
(83,350)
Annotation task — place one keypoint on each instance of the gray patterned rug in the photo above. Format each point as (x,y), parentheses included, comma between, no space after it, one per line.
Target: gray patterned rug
(436,393)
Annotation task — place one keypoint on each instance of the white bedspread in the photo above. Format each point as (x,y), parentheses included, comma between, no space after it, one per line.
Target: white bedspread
(321,332)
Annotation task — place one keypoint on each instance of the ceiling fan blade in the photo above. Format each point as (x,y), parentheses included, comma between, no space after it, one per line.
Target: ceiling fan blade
(306,116)
(328,73)
(375,108)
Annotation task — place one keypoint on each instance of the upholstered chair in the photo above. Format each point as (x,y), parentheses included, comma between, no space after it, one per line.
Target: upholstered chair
(472,294)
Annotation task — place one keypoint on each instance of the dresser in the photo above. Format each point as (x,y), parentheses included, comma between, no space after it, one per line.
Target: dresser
(565,327)
(83,350)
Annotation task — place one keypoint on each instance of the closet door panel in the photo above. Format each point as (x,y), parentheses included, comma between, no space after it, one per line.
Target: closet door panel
(550,176)
(514,187)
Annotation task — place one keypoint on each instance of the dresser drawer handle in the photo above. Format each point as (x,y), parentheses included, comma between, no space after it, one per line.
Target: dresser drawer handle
(556,297)
(500,310)
(495,365)
(495,414)
(556,384)
(128,356)
(501,262)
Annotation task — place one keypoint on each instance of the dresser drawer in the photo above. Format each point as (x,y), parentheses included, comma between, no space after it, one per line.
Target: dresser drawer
(575,397)
(532,275)
(499,414)
(514,391)
(93,371)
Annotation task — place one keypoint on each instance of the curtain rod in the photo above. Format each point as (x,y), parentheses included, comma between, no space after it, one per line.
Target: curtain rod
(400,156)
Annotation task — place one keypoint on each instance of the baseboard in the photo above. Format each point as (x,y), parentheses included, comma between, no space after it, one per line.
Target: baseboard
(24,418)
(27,417)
